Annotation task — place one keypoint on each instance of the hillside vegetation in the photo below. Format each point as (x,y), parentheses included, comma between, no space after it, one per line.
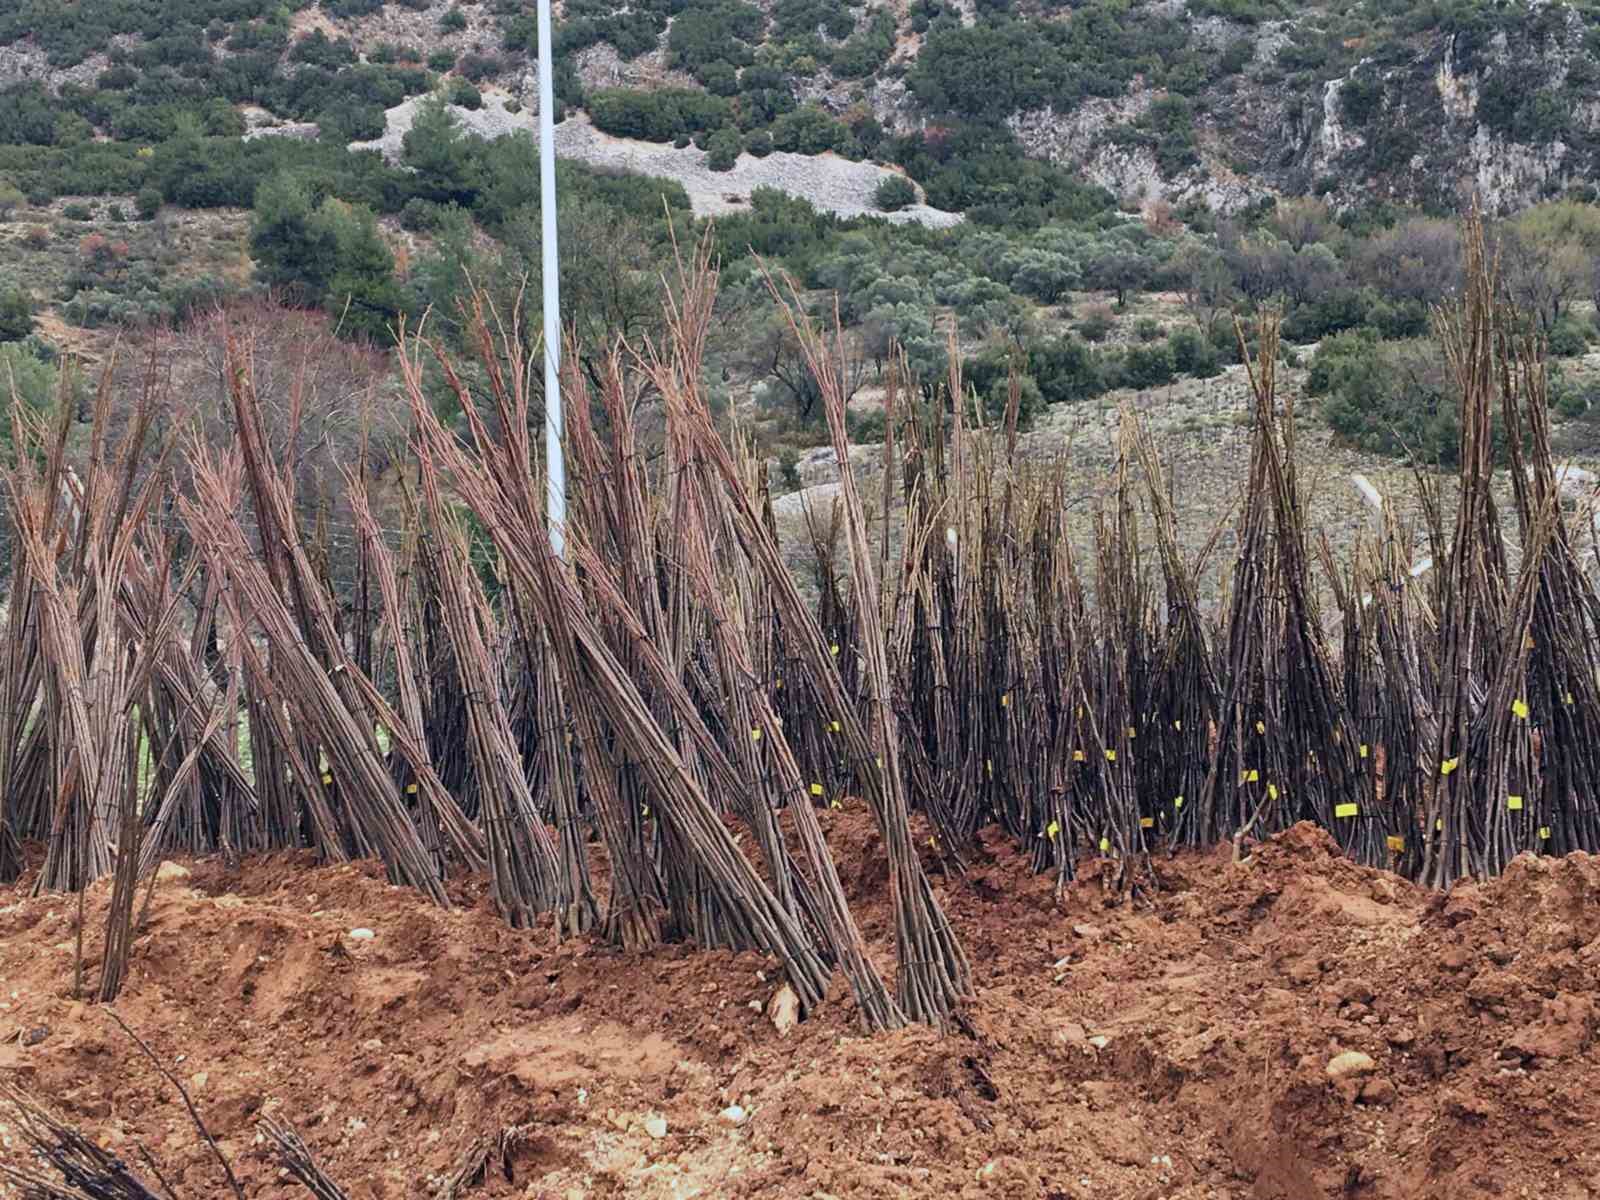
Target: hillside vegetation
(156,155)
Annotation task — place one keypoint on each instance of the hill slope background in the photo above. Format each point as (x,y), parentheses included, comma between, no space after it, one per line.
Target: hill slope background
(1084,193)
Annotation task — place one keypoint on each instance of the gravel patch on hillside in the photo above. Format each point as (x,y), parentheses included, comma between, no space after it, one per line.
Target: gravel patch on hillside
(831,183)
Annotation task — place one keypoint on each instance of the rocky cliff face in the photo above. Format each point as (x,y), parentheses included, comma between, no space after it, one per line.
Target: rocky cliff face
(1512,115)
(1503,101)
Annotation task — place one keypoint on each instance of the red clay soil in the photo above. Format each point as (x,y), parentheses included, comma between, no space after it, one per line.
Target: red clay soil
(1171,1046)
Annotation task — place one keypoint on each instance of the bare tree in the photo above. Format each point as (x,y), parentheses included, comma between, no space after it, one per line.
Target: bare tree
(1201,277)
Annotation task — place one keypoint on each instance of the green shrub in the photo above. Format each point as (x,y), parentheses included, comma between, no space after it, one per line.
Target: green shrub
(758,144)
(147,203)
(722,150)
(465,95)
(442,61)
(1148,366)
(453,21)
(16,312)
(26,378)
(1096,325)
(78,212)
(1147,329)
(421,216)
(894,193)
(1193,355)
(1571,399)
(656,116)
(1389,397)
(1567,337)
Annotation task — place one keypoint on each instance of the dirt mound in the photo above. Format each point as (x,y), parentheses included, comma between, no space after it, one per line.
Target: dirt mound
(1290,1026)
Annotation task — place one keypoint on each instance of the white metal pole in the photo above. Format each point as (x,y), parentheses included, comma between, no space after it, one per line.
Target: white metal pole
(555,464)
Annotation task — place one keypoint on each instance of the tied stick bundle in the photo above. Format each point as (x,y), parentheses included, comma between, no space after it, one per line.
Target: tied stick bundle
(976,661)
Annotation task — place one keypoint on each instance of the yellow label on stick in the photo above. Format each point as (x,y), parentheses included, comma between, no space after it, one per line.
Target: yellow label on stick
(1544,833)
(988,765)
(834,650)
(411,789)
(1111,756)
(1178,725)
(1132,732)
(1514,803)
(755,735)
(1147,822)
(1449,765)
(1363,749)
(1272,791)
(1397,844)
(1569,699)
(1005,699)
(1052,829)
(1519,709)
(834,727)
(1346,810)
(1250,777)
(327,777)
(1178,803)
(816,789)
(1438,823)
(1077,756)
(1261,727)
(1105,845)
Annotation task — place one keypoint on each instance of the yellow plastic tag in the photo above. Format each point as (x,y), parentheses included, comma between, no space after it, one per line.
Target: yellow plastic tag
(836,804)
(1005,700)
(1261,727)
(755,735)
(988,765)
(816,789)
(880,760)
(1346,810)
(1178,725)
(1544,833)
(1052,829)
(1272,791)
(1514,803)
(1519,708)
(327,777)
(1105,845)
(1250,777)
(834,650)
(780,685)
(1132,732)
(1527,642)
(1397,844)
(834,727)
(1077,756)
(644,810)
(1363,749)
(1111,756)
(1569,699)
(1147,822)
(411,789)
(1178,803)
(1438,823)
(1449,765)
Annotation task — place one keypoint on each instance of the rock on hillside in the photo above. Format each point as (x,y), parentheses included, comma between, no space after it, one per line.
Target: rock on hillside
(830,183)
(1509,113)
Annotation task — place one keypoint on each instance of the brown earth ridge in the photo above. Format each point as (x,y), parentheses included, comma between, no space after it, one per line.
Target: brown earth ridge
(1292,1026)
